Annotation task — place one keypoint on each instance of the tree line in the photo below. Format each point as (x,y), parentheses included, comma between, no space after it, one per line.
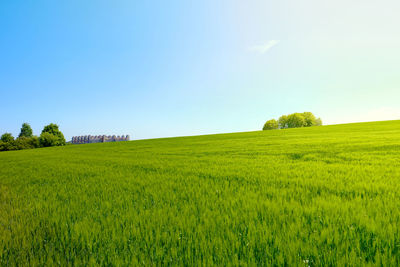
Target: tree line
(295,120)
(50,136)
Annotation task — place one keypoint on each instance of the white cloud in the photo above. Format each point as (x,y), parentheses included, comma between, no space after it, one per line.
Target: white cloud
(263,48)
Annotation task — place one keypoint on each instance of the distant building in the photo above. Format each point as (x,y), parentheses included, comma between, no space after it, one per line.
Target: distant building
(88,139)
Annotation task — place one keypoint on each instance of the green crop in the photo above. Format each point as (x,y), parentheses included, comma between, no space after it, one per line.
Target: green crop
(325,195)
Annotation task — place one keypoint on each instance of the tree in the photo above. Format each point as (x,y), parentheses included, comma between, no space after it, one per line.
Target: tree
(7,142)
(283,122)
(53,130)
(7,138)
(295,120)
(26,130)
(47,139)
(27,142)
(309,119)
(34,141)
(271,125)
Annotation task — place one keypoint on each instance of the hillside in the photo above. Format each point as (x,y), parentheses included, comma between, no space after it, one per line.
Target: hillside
(316,196)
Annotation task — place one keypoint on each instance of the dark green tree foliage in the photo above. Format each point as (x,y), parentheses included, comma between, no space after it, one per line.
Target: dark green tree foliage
(7,137)
(51,136)
(271,125)
(295,120)
(7,146)
(26,130)
(53,130)
(7,142)
(47,139)
(27,142)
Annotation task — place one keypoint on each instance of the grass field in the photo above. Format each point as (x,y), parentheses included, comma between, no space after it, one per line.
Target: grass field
(312,196)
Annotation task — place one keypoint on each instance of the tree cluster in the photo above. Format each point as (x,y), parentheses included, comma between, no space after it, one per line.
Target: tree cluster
(295,120)
(50,136)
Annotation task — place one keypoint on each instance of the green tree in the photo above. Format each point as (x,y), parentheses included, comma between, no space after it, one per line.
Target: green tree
(34,141)
(309,119)
(295,120)
(26,130)
(53,130)
(27,142)
(7,137)
(283,122)
(271,125)
(7,142)
(47,139)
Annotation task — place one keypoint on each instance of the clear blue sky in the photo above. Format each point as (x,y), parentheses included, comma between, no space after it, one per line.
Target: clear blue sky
(173,68)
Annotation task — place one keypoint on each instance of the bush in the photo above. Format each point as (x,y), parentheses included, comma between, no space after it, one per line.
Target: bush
(271,125)
(2,146)
(47,139)
(7,137)
(309,119)
(27,142)
(7,142)
(295,120)
(51,136)
(282,121)
(34,141)
(53,130)
(7,146)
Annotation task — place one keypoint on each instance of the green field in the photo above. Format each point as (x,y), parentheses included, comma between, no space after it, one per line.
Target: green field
(325,195)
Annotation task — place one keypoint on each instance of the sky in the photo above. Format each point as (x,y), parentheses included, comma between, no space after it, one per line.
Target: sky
(174,68)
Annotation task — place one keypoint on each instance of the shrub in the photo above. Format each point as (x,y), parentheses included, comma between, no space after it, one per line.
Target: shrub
(271,125)
(34,141)
(27,142)
(47,139)
(7,146)
(53,130)
(283,122)
(295,120)
(7,142)
(7,137)
(51,136)
(309,119)
(2,146)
